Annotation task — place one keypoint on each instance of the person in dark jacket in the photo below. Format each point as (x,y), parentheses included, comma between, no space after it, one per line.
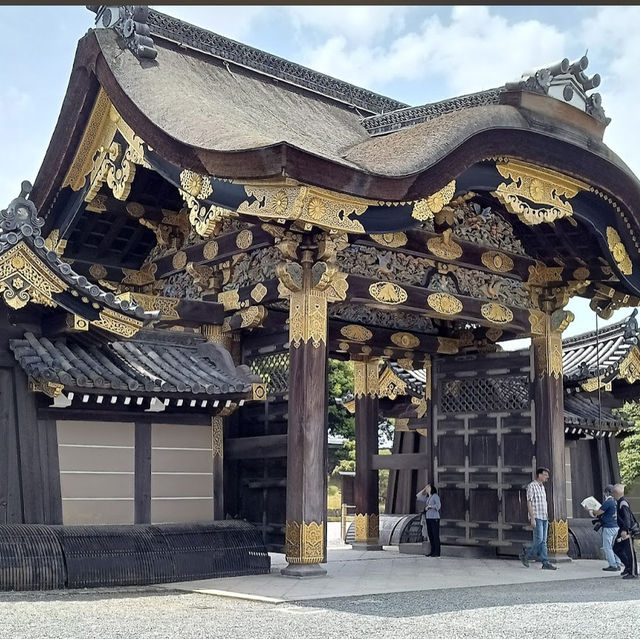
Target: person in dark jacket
(607,514)
(623,546)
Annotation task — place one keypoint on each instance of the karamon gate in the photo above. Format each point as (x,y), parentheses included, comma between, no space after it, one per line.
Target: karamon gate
(211,223)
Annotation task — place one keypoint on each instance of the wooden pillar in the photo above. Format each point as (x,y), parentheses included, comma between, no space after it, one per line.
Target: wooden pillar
(549,420)
(142,473)
(217,450)
(367,517)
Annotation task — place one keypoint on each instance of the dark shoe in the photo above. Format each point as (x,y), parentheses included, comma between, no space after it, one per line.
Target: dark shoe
(524,560)
(549,566)
(624,574)
(630,577)
(611,569)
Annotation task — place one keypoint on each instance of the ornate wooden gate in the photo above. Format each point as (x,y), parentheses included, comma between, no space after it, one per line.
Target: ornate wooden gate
(483,448)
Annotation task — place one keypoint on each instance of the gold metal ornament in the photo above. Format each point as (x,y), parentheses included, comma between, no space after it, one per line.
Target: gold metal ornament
(24,279)
(391,240)
(179,260)
(390,385)
(304,542)
(166,305)
(308,318)
(244,239)
(536,195)
(497,261)
(210,250)
(558,537)
(618,251)
(217,440)
(55,243)
(258,292)
(405,340)
(98,271)
(356,333)
(365,377)
(117,323)
(448,345)
(367,528)
(444,246)
(497,313)
(630,367)
(424,209)
(388,293)
(229,299)
(444,303)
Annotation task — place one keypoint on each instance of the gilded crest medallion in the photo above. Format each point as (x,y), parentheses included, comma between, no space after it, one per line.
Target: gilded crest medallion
(444,303)
(388,293)
(497,313)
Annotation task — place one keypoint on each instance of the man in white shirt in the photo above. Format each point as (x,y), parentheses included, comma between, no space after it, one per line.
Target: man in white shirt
(539,519)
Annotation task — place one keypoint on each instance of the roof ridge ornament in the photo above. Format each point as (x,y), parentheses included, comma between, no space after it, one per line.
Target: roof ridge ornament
(565,81)
(130,22)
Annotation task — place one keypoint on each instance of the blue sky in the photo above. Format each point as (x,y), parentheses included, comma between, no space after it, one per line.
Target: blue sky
(414,54)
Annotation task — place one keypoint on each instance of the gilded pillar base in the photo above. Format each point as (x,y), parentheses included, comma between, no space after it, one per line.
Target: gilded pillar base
(558,540)
(367,530)
(304,543)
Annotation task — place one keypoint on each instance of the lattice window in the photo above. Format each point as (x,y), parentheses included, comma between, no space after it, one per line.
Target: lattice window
(274,371)
(484,394)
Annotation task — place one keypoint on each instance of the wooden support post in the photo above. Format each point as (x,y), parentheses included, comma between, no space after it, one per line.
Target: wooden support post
(546,349)
(367,517)
(142,470)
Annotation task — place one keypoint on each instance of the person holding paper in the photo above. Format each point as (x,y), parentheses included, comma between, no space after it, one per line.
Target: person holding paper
(609,530)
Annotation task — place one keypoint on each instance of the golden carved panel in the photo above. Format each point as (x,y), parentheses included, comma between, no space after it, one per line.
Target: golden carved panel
(308,318)
(497,313)
(618,251)
(497,261)
(535,194)
(365,377)
(444,303)
(258,292)
(390,385)
(630,367)
(388,293)
(229,299)
(117,323)
(356,333)
(210,250)
(558,537)
(444,246)
(304,542)
(24,278)
(244,239)
(391,240)
(405,340)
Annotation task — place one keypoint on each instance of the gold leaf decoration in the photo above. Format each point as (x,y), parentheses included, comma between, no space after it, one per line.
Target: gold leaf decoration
(179,260)
(210,250)
(258,292)
(356,333)
(425,208)
(497,261)
(448,345)
(536,195)
(493,334)
(388,293)
(304,542)
(217,441)
(366,528)
(497,313)
(244,239)
(229,299)
(444,303)
(196,185)
(391,240)
(98,271)
(445,246)
(117,323)
(405,340)
(618,251)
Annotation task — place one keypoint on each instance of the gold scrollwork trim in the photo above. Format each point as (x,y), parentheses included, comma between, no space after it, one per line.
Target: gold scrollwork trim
(497,261)
(558,537)
(388,293)
(535,194)
(618,251)
(304,542)
(444,303)
(630,367)
(365,377)
(166,305)
(117,323)
(24,278)
(308,318)
(367,527)
(390,385)
(51,389)
(497,313)
(310,205)
(356,333)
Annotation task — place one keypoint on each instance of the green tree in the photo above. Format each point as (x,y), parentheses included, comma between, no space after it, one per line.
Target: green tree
(629,455)
(340,382)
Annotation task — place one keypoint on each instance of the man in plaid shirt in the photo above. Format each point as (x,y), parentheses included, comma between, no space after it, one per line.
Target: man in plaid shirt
(539,519)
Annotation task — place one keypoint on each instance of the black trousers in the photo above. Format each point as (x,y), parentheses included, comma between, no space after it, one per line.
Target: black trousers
(433,530)
(625,550)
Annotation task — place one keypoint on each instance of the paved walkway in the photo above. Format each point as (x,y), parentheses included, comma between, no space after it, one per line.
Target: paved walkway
(352,573)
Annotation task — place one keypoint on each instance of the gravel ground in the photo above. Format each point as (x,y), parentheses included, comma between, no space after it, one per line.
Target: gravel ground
(583,608)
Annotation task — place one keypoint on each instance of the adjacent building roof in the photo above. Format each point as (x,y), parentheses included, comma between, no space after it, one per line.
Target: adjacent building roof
(165,364)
